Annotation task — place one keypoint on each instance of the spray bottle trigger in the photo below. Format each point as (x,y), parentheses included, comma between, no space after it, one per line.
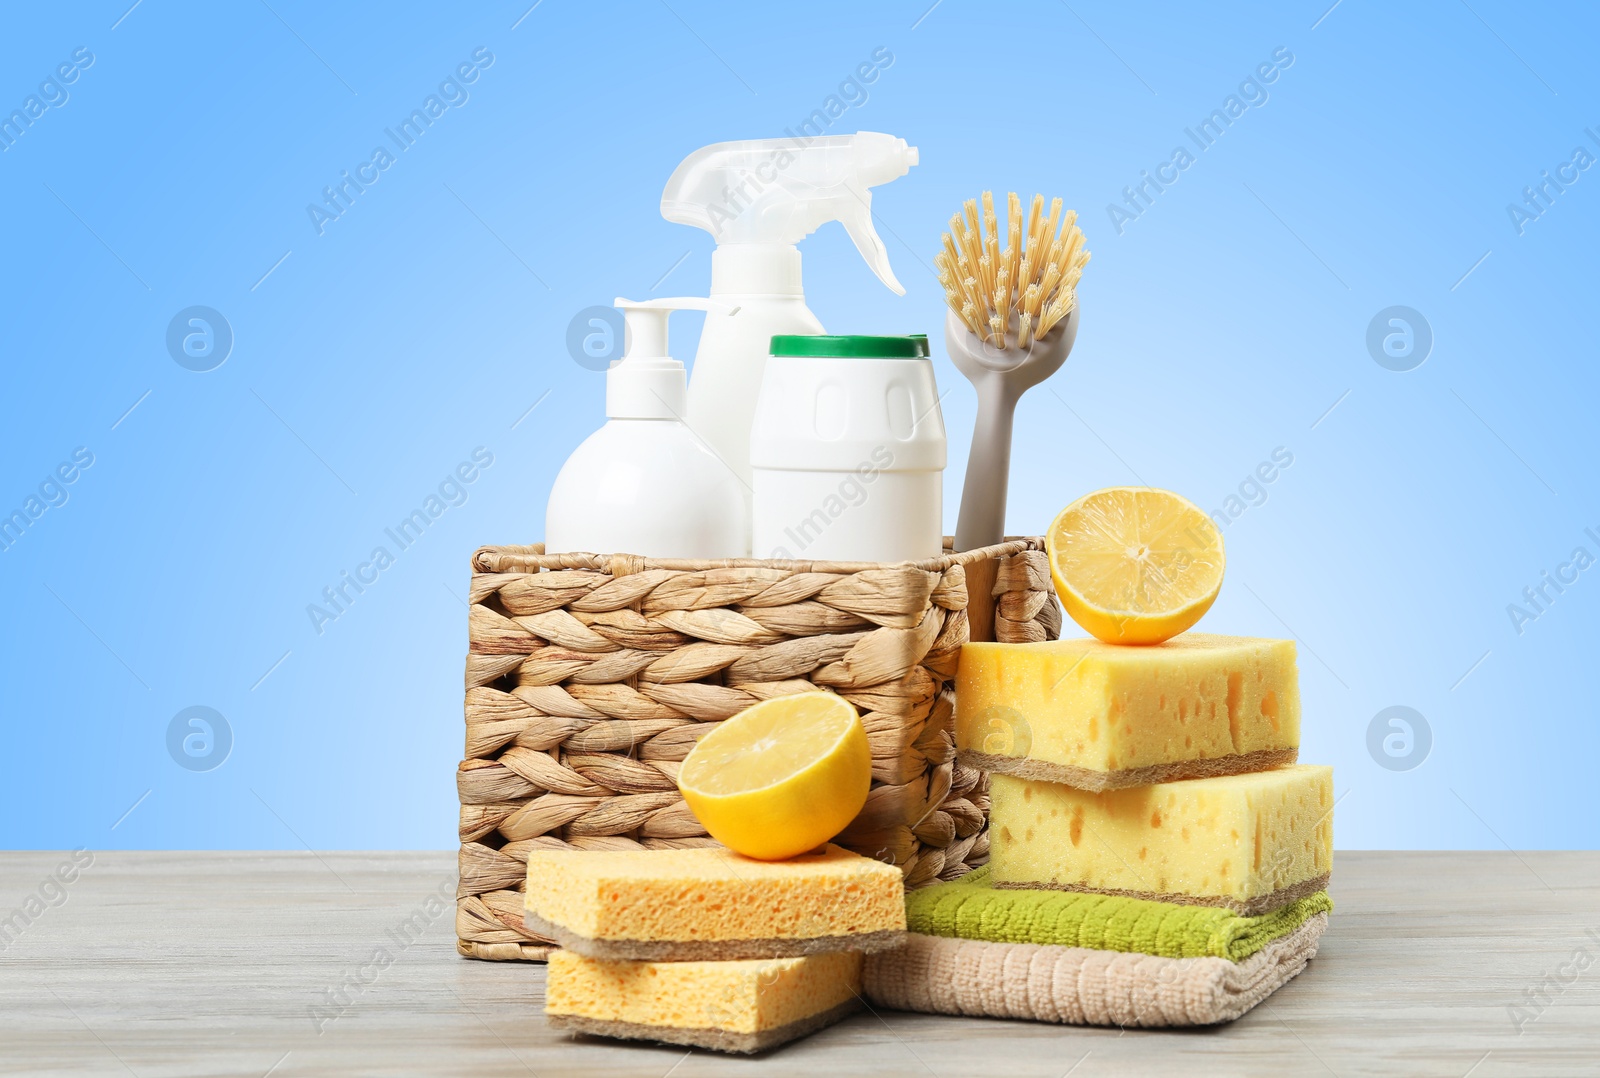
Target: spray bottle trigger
(857,221)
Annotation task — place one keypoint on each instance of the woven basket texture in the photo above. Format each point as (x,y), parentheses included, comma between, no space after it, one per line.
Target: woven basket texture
(589,678)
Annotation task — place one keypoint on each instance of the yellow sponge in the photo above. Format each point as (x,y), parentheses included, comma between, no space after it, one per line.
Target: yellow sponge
(1108,716)
(712,903)
(1248,842)
(743,1006)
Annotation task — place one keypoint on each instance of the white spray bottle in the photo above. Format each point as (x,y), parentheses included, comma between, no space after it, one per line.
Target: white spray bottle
(758,199)
(645,483)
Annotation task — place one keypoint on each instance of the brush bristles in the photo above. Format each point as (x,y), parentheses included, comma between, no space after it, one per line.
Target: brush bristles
(1032,280)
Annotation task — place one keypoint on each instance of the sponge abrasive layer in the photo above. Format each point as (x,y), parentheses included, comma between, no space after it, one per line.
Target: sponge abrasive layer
(710,950)
(718,1040)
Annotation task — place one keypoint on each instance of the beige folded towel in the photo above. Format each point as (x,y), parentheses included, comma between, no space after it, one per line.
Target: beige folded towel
(1078,986)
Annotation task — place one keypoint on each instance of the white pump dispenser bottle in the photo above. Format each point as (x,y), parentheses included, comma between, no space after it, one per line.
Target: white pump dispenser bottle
(644,483)
(758,199)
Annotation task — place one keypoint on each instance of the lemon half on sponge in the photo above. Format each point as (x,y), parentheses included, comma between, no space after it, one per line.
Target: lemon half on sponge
(781,777)
(1135,565)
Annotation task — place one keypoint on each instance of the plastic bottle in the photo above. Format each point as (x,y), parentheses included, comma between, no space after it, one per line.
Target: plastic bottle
(758,199)
(644,483)
(848,451)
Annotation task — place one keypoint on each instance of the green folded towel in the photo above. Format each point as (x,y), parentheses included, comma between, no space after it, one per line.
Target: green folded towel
(971,908)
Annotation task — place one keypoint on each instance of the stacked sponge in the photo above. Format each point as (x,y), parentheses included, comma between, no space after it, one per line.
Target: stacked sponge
(707,947)
(1149,830)
(1163,772)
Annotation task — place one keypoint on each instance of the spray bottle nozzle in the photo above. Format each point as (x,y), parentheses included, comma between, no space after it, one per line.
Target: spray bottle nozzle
(778,191)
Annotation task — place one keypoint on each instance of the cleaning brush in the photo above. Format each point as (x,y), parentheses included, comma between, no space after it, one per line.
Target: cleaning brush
(1033,281)
(1013,318)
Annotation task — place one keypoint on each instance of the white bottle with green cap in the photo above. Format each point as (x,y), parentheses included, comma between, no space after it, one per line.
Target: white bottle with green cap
(847,451)
(644,483)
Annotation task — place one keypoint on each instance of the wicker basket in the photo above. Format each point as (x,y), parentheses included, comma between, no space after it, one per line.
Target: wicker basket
(590,678)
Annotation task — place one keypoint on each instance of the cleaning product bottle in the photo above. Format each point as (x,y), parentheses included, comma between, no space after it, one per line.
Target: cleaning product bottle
(758,199)
(644,483)
(848,451)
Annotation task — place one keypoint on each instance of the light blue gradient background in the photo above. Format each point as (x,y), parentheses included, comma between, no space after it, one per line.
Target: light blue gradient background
(1220,325)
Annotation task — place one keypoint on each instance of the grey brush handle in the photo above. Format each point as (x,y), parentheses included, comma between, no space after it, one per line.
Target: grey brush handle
(1001,376)
(982,521)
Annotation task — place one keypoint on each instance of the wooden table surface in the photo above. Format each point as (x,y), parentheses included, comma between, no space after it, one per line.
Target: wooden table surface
(312,964)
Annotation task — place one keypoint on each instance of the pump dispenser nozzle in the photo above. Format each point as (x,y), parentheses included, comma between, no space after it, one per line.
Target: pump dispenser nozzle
(647,383)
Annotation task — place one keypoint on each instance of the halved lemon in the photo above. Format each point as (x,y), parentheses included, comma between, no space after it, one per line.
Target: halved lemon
(781,777)
(1135,565)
